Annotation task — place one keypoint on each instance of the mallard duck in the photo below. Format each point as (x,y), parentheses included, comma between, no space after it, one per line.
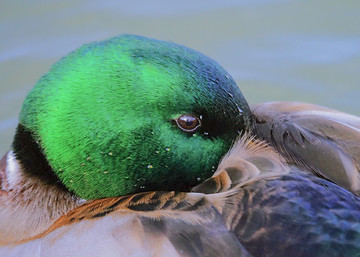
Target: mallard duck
(138,147)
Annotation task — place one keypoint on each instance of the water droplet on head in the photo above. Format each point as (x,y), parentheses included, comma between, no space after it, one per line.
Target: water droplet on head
(239,109)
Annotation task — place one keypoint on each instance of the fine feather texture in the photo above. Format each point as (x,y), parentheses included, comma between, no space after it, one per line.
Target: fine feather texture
(103,122)
(103,118)
(28,206)
(292,213)
(296,214)
(257,152)
(323,141)
(248,160)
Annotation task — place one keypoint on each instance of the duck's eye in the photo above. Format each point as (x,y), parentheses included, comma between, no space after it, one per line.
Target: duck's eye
(188,123)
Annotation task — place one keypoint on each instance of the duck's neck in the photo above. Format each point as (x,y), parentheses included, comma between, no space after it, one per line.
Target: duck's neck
(28,206)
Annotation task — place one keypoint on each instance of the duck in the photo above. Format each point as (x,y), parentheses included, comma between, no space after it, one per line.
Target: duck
(139,147)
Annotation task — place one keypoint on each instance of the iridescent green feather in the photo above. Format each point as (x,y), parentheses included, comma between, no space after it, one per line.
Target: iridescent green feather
(102,117)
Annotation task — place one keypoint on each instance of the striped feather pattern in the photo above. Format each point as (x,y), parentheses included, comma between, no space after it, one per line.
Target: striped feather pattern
(254,205)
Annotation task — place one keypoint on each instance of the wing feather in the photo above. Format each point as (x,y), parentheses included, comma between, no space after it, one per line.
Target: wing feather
(323,141)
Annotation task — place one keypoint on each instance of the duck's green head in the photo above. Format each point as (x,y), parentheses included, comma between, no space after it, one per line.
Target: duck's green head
(130,114)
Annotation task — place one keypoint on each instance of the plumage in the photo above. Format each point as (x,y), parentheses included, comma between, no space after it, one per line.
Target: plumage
(287,186)
(321,140)
(108,109)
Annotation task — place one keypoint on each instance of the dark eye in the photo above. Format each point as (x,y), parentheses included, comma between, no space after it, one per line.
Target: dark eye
(188,123)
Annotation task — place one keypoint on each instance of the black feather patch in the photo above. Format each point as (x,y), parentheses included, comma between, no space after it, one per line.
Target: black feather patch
(31,157)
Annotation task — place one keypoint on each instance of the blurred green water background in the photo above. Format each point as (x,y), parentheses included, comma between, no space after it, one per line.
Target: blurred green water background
(287,50)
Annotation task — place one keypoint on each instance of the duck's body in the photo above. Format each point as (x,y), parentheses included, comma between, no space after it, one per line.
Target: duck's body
(255,202)
(269,196)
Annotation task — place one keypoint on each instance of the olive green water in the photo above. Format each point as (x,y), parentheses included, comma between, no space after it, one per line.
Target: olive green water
(288,50)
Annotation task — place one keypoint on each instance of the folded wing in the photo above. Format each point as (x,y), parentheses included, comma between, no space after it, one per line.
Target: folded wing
(323,141)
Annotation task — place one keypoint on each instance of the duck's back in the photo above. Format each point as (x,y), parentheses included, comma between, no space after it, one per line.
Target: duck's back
(296,215)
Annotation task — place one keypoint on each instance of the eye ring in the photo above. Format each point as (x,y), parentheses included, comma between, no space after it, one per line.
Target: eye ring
(188,123)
